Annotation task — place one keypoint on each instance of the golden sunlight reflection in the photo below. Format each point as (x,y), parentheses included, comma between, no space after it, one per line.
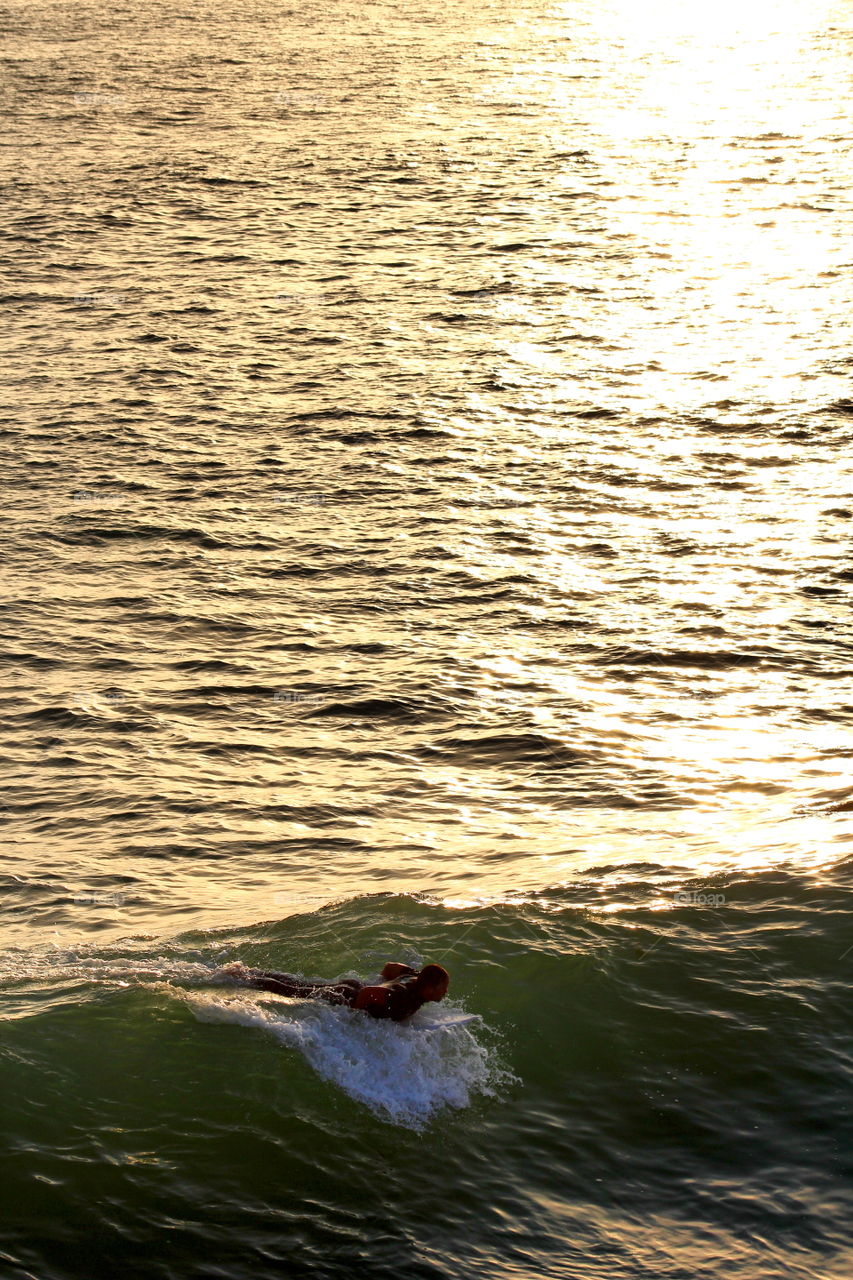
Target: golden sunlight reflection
(527,531)
(713,83)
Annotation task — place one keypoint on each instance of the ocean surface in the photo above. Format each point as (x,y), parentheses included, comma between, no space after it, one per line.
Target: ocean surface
(427,515)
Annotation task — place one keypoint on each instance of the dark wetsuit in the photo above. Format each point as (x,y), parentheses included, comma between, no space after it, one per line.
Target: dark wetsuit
(401,1002)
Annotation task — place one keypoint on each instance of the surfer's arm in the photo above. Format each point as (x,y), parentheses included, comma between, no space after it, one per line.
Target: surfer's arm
(394,969)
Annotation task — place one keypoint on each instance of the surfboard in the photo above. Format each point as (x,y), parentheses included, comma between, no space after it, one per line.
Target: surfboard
(434,1020)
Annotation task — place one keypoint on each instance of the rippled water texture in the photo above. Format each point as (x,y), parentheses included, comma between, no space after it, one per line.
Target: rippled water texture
(427,489)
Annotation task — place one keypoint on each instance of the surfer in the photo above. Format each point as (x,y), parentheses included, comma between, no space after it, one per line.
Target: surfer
(400,994)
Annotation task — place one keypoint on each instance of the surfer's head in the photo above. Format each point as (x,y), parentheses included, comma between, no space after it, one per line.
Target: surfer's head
(432,982)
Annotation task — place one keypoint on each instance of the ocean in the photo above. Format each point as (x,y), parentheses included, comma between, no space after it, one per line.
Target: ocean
(427,527)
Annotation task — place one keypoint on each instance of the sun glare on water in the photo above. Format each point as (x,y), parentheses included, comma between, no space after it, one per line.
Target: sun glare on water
(724,21)
(725,94)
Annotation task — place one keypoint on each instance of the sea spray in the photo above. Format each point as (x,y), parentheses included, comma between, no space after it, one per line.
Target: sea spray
(403,1073)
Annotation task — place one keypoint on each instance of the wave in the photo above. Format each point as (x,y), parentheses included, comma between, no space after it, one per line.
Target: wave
(405,1074)
(99,534)
(703,659)
(384,709)
(509,748)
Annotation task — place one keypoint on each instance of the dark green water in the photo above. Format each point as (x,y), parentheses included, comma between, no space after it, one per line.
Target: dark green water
(648,1093)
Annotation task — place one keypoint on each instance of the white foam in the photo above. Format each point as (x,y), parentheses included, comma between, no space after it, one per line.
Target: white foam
(404,1073)
(65,964)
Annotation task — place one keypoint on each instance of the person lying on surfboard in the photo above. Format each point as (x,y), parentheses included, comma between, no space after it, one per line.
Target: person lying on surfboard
(400,994)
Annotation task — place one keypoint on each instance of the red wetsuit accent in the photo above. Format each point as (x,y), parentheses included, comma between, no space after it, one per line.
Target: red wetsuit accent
(397,999)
